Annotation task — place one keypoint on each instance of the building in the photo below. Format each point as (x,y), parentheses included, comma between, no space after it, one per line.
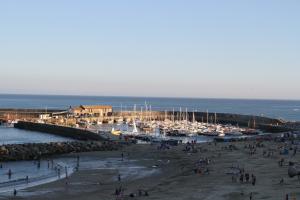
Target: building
(92,110)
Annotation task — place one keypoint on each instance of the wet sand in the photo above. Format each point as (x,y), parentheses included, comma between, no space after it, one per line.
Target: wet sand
(174,176)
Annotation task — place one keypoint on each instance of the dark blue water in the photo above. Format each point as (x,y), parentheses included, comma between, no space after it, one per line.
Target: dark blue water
(18,136)
(284,109)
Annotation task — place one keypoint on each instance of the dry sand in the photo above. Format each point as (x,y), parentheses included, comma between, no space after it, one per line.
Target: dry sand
(176,178)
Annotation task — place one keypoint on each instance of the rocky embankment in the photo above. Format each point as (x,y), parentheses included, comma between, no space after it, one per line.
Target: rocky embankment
(34,151)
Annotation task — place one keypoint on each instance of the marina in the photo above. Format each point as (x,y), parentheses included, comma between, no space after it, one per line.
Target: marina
(149,100)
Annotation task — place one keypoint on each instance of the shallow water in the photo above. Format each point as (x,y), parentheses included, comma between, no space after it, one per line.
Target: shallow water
(48,172)
(18,136)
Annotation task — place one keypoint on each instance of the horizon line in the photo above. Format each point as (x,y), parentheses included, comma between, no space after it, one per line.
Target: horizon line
(164,97)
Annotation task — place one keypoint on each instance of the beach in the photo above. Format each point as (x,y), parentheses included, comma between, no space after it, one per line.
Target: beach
(171,174)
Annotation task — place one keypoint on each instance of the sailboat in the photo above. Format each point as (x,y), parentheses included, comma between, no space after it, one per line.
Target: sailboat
(134,131)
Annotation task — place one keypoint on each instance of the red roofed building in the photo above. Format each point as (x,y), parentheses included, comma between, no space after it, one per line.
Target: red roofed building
(92,110)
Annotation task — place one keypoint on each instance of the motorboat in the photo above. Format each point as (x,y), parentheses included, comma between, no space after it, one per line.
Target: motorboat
(116,132)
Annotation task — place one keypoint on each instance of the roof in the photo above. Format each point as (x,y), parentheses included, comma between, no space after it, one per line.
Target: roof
(83,107)
(96,107)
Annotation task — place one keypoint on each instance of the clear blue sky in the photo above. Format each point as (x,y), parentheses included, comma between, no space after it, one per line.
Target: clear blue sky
(219,49)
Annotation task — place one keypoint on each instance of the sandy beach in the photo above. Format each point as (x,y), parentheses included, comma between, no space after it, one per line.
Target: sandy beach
(205,173)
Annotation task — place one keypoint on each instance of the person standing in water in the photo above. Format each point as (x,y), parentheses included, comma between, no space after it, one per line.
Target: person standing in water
(66,169)
(9,174)
(15,192)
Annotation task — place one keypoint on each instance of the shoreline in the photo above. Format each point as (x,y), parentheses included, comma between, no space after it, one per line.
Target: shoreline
(177,178)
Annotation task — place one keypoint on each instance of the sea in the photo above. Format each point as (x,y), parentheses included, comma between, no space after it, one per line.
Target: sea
(279,109)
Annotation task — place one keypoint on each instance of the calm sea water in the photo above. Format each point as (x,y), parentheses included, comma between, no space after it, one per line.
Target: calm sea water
(288,110)
(18,136)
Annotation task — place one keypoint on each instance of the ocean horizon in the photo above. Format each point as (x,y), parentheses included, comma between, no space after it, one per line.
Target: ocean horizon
(274,108)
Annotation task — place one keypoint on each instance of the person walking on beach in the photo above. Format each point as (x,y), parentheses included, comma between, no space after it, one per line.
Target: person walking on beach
(253,180)
(242,178)
(247,177)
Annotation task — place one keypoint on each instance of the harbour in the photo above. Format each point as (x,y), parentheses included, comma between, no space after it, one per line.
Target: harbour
(149,100)
(48,144)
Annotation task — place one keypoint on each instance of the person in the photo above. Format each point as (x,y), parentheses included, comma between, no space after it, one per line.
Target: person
(58,172)
(250,196)
(286,197)
(247,177)
(52,163)
(9,173)
(281,181)
(15,192)
(122,156)
(66,170)
(119,177)
(39,164)
(27,179)
(140,192)
(78,161)
(253,180)
(242,178)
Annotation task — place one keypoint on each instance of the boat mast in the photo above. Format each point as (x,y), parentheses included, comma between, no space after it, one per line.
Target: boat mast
(180,114)
(165,115)
(150,113)
(173,117)
(186,115)
(215,118)
(193,116)
(121,110)
(206,116)
(134,111)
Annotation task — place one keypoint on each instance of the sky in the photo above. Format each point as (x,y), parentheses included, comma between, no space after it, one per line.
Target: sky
(169,48)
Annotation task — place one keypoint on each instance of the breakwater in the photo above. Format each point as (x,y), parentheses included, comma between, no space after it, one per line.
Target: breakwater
(15,152)
(74,133)
(15,113)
